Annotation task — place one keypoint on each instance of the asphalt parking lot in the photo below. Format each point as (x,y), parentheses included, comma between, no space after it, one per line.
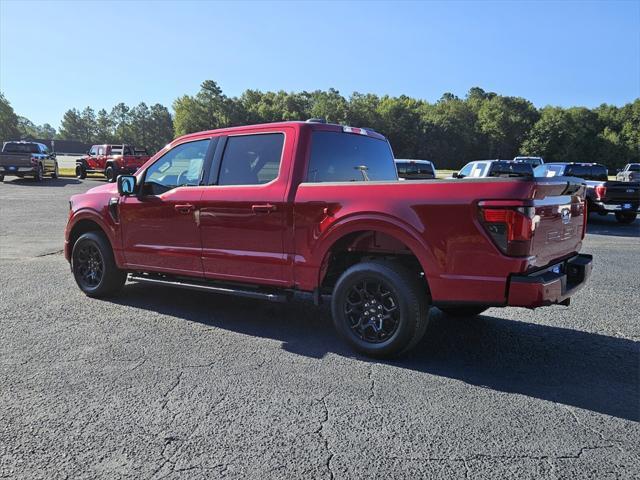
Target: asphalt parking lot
(159,383)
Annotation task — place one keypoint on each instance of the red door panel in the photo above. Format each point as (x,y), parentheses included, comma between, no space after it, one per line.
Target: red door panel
(242,234)
(161,233)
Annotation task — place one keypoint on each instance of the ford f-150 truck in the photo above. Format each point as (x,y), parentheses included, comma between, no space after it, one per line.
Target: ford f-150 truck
(111,161)
(27,159)
(266,211)
(603,196)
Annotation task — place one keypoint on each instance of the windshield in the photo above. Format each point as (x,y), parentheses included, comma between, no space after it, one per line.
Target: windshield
(21,148)
(347,157)
(549,170)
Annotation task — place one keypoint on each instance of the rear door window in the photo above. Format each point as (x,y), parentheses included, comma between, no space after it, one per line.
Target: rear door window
(347,157)
(251,159)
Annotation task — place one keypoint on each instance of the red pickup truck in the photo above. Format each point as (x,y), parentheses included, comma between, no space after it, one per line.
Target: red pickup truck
(265,211)
(111,161)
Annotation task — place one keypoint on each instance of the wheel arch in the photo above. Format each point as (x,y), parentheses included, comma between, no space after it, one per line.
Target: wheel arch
(371,237)
(89,221)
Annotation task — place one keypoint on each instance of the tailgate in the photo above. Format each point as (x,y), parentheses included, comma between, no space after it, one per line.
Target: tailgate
(621,192)
(559,219)
(15,160)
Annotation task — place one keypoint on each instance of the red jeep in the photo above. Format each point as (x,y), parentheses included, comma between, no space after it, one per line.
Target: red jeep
(266,211)
(111,161)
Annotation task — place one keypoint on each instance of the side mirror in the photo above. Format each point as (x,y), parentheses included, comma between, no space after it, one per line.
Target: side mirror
(126,185)
(53,155)
(457,175)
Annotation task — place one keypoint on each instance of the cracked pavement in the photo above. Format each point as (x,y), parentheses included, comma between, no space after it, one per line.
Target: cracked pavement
(160,383)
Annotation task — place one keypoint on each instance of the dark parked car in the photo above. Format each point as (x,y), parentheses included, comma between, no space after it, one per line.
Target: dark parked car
(494,168)
(415,169)
(603,196)
(27,159)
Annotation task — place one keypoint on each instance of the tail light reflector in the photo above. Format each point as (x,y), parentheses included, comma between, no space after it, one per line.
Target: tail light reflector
(512,229)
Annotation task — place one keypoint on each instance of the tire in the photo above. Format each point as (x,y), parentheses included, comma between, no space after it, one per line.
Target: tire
(39,175)
(55,173)
(626,217)
(81,172)
(371,287)
(94,267)
(463,311)
(1,178)
(110,173)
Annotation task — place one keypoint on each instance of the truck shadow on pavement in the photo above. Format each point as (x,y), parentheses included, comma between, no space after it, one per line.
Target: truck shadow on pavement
(607,225)
(581,369)
(47,182)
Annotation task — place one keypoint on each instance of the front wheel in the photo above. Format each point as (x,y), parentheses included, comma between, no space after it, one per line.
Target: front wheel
(81,172)
(626,217)
(110,173)
(55,173)
(94,267)
(380,308)
(1,178)
(464,311)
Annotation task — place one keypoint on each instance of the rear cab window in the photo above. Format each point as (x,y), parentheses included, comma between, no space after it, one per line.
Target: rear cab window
(21,148)
(252,159)
(347,157)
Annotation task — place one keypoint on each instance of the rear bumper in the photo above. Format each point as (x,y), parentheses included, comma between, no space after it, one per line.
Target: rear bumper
(631,206)
(16,170)
(555,284)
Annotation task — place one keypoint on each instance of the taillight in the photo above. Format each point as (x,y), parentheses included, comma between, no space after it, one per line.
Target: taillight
(34,160)
(601,191)
(511,229)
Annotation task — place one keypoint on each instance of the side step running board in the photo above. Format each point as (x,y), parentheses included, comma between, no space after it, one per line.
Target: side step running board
(209,287)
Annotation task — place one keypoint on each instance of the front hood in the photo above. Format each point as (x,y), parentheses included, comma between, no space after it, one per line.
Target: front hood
(106,188)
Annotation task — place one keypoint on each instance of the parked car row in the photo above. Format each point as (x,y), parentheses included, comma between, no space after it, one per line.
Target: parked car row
(31,159)
(620,197)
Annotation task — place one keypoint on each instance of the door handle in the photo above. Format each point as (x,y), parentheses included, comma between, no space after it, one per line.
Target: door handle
(266,208)
(184,209)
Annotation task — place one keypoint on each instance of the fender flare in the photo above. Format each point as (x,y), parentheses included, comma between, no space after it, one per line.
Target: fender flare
(378,222)
(110,231)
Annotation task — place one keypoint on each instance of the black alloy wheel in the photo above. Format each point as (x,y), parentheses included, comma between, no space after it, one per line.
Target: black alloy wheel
(372,311)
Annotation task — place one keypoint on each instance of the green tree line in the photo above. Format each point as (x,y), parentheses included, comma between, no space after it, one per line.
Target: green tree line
(450,131)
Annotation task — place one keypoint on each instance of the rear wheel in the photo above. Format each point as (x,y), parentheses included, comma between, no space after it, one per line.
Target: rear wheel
(1,178)
(94,267)
(39,175)
(81,172)
(626,217)
(380,308)
(110,173)
(464,311)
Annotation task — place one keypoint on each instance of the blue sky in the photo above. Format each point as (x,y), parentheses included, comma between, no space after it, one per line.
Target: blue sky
(58,55)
